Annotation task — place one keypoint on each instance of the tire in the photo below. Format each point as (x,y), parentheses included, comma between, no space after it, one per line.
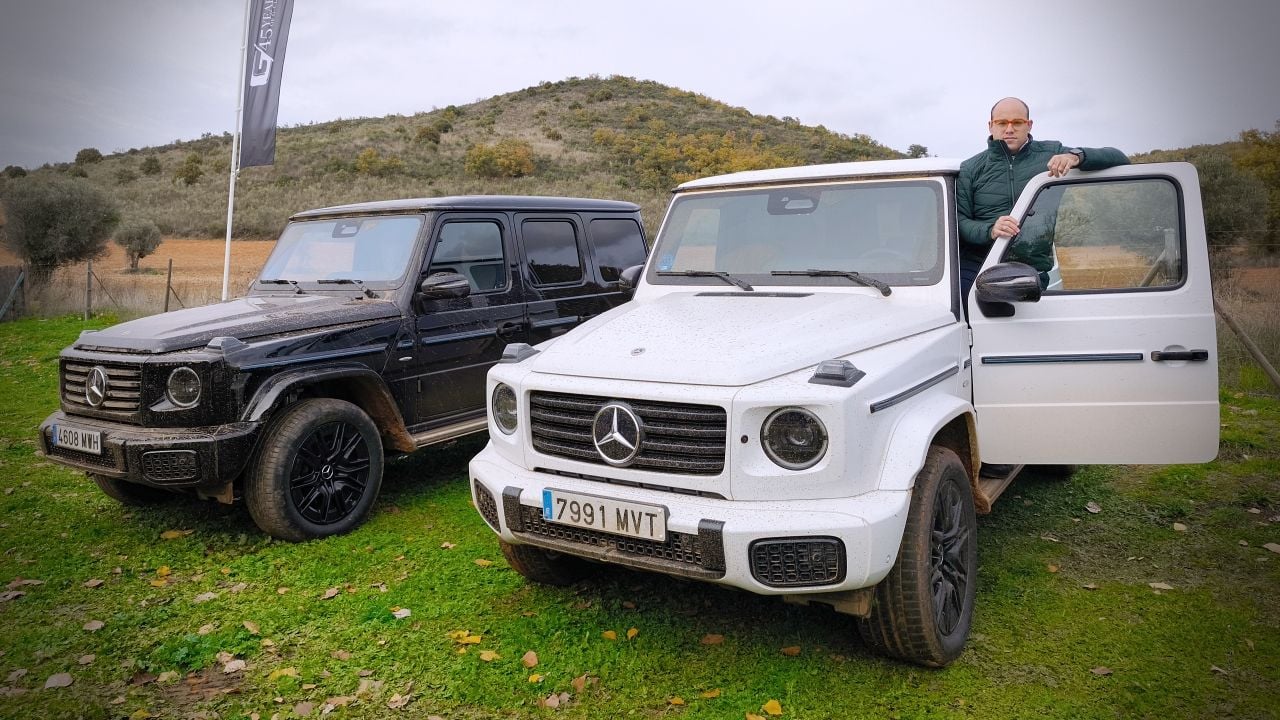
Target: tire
(543,566)
(923,608)
(317,473)
(131,494)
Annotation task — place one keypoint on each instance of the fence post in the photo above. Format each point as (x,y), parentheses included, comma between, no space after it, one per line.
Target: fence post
(88,291)
(168,285)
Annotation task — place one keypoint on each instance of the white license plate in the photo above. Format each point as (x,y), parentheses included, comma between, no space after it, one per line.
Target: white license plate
(74,438)
(617,517)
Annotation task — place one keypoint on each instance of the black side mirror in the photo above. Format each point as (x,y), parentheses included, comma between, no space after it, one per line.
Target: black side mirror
(444,286)
(1008,282)
(628,279)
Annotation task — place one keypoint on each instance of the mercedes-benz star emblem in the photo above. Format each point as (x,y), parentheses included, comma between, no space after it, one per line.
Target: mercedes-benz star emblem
(617,433)
(95,386)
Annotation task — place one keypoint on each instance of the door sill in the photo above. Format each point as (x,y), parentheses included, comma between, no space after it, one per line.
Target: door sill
(450,432)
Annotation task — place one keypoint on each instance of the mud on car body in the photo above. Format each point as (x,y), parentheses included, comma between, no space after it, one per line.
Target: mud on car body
(368,331)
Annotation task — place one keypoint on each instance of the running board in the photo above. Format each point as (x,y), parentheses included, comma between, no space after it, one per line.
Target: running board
(450,432)
(990,488)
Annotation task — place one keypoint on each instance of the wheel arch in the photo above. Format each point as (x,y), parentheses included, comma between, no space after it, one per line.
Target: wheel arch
(356,384)
(941,420)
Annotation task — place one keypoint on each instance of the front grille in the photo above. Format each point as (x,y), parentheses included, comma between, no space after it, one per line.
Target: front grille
(487,506)
(797,562)
(679,549)
(687,439)
(124,388)
(170,465)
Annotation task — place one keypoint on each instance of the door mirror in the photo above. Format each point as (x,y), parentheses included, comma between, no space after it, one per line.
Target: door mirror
(1008,282)
(628,279)
(444,286)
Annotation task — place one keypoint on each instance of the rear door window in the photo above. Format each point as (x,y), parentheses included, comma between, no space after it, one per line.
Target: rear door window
(552,249)
(619,244)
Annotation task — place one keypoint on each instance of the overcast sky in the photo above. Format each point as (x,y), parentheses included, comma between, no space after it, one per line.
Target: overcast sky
(1136,74)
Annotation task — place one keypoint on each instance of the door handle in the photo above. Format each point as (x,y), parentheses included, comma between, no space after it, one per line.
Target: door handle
(1192,355)
(509,328)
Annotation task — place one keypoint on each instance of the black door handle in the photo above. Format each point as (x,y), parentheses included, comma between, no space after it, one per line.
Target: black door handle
(508,328)
(1192,355)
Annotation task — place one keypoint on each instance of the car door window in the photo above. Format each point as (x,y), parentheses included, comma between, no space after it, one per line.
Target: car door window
(473,249)
(1105,236)
(552,249)
(619,244)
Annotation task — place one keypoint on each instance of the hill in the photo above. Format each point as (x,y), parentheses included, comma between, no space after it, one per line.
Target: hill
(614,137)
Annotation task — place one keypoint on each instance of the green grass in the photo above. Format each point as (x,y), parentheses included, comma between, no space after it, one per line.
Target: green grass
(1037,638)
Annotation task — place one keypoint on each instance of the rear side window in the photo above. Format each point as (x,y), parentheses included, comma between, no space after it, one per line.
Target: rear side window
(619,244)
(552,249)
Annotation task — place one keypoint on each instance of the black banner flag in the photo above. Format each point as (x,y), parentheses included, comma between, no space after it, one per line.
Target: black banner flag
(264,63)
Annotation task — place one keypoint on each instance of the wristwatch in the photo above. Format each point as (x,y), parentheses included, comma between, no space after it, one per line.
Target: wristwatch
(1079,153)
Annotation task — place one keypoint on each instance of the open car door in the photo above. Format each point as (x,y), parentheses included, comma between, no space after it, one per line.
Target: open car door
(1119,365)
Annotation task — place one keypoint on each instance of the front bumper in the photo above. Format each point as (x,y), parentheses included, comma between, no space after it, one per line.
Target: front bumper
(762,547)
(205,458)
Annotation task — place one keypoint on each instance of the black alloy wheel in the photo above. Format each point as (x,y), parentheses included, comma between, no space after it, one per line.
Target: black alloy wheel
(330,473)
(948,549)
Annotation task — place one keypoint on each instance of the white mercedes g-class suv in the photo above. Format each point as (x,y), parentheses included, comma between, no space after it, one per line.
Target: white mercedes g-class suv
(797,402)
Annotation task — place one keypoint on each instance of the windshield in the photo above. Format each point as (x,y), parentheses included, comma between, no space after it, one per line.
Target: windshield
(373,250)
(891,231)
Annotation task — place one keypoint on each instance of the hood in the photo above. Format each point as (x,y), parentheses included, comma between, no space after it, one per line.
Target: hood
(242,318)
(731,339)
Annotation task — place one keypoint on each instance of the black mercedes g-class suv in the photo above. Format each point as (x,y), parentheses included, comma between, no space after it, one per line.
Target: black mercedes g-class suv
(369,331)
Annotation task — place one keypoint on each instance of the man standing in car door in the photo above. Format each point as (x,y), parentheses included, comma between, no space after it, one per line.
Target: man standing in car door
(990,182)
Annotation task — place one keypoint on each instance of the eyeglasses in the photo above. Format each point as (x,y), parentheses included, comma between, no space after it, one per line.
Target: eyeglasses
(1016,123)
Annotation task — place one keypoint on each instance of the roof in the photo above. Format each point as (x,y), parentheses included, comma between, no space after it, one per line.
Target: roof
(831,171)
(472,202)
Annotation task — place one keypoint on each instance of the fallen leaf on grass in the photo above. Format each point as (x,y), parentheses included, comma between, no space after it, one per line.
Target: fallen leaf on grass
(448,545)
(17,675)
(677,700)
(632,633)
(753,716)
(303,709)
(93,625)
(281,590)
(1273,547)
(536,678)
(1051,568)
(330,593)
(1160,586)
(483,563)
(398,701)
(282,672)
(22,582)
(609,635)
(60,680)
(142,678)
(530,659)
(712,639)
(1101,671)
(234,666)
(11,595)
(251,626)
(401,613)
(627,604)
(205,629)
(239,587)
(95,582)
(117,700)
(174,534)
(791,651)
(1216,669)
(160,582)
(1093,507)
(1179,527)
(364,673)
(204,597)
(709,694)
(141,714)
(163,571)
(340,655)
(555,700)
(489,655)
(168,676)
(773,707)
(87,659)
(337,701)
(224,657)
(1089,586)
(464,637)
(581,682)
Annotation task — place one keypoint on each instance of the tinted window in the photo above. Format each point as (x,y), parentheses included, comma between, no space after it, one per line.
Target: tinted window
(552,247)
(473,250)
(1104,235)
(619,244)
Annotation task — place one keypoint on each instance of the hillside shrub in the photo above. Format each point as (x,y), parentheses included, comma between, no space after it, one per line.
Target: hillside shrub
(78,171)
(54,222)
(507,158)
(371,162)
(124,176)
(139,239)
(14,171)
(190,171)
(427,134)
(88,156)
(151,165)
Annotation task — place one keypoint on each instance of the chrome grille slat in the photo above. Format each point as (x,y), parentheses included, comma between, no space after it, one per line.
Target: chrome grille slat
(679,437)
(124,387)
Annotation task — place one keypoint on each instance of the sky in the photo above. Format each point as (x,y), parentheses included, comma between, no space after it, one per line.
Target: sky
(1134,74)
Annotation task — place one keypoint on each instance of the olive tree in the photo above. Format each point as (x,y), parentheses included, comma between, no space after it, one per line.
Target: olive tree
(55,222)
(139,239)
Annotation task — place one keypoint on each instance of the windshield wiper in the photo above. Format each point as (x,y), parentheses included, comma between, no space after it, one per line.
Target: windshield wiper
(348,281)
(709,273)
(294,283)
(859,278)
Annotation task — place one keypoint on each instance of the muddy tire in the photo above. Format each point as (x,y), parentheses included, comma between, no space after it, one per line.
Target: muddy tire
(543,566)
(317,473)
(131,494)
(923,609)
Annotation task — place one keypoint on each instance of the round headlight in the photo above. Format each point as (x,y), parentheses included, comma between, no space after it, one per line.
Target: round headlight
(184,387)
(504,408)
(794,438)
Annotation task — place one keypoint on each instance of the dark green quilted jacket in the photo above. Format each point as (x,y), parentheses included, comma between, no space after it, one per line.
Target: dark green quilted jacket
(991,181)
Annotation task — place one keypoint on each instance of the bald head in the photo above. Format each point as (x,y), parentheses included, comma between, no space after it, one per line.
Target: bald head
(1010,104)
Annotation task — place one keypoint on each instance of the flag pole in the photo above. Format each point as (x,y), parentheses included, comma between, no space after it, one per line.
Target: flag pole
(235,151)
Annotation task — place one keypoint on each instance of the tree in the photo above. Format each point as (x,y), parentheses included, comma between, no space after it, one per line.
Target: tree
(139,239)
(15,171)
(917,151)
(88,155)
(1261,158)
(55,222)
(190,171)
(151,165)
